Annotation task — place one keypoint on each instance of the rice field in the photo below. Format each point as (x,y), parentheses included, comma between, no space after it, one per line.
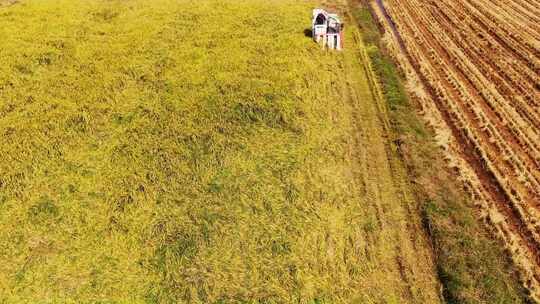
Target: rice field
(196,152)
(176,151)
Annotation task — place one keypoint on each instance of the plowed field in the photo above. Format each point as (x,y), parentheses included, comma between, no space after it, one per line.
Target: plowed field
(474,66)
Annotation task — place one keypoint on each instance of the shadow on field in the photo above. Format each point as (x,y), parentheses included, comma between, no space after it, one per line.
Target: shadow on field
(308,33)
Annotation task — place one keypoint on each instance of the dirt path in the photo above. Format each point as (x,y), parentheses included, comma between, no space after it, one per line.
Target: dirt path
(399,254)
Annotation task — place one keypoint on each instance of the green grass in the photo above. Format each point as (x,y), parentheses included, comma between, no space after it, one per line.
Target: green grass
(472,267)
(142,164)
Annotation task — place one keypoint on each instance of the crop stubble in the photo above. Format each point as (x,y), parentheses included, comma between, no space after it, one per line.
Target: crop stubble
(479,63)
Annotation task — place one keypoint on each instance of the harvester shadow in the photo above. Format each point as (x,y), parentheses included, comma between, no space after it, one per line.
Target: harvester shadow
(308,33)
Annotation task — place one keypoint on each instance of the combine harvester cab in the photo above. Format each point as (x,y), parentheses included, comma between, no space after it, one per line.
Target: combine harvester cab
(328,29)
(319,25)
